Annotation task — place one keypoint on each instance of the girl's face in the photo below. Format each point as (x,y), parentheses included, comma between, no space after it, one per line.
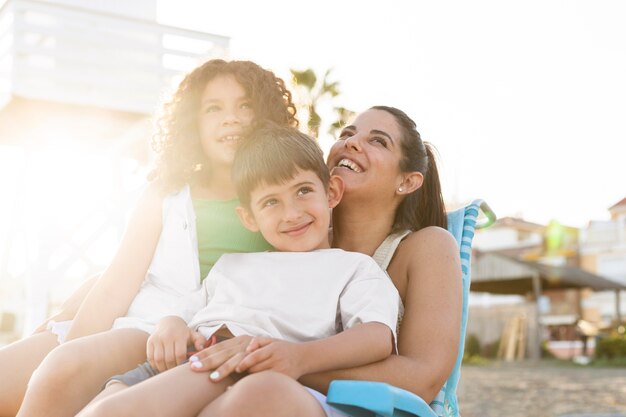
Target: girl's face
(367,155)
(225,113)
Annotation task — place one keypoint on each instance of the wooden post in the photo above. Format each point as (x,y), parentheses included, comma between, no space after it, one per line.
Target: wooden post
(511,343)
(535,353)
(504,339)
(618,314)
(521,341)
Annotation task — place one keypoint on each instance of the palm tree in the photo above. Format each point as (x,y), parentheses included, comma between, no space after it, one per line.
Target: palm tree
(312,92)
(343,115)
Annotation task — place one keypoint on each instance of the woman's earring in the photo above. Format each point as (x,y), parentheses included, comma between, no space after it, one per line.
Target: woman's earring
(400,189)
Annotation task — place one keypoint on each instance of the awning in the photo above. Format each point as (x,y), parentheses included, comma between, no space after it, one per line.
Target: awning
(497,273)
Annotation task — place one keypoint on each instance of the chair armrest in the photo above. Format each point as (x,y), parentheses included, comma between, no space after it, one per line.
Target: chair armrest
(369,399)
(490,216)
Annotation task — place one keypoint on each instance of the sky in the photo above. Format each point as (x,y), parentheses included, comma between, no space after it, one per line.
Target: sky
(525,101)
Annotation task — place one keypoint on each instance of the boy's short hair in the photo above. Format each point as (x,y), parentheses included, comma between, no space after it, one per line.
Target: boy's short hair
(272,154)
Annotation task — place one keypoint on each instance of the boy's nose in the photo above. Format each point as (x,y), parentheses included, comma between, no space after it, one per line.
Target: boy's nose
(292,212)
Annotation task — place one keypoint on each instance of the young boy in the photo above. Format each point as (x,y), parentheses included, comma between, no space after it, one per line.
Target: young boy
(313,308)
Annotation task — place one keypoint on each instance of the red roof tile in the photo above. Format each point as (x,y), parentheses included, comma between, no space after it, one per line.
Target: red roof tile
(622,202)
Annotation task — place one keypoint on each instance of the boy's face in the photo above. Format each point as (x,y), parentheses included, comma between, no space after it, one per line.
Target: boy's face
(294,216)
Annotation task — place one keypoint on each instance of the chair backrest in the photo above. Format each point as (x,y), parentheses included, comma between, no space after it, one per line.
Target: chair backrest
(461,224)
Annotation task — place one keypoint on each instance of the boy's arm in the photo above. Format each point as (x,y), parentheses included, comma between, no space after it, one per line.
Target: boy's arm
(362,344)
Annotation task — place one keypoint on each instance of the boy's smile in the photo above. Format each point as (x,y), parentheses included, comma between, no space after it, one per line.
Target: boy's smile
(293,216)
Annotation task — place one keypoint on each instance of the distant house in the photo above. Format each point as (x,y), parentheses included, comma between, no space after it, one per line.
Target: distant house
(618,209)
(552,244)
(603,251)
(510,234)
(603,244)
(542,263)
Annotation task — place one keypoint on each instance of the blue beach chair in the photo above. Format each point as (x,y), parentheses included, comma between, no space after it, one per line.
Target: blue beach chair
(369,399)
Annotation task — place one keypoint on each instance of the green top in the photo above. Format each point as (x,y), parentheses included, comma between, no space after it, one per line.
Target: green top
(220,231)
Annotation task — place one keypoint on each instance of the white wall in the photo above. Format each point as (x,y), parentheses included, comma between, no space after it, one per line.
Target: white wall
(138,9)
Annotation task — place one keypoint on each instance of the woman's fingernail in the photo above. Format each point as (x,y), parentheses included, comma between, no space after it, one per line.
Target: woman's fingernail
(214,375)
(193,358)
(196,365)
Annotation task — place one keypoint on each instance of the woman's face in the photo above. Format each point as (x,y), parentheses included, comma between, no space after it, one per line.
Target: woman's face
(225,113)
(367,154)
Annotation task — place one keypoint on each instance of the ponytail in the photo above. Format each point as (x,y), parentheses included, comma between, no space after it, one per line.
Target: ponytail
(431,209)
(424,207)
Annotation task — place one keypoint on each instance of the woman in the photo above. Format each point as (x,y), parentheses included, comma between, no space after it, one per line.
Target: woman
(161,259)
(391,187)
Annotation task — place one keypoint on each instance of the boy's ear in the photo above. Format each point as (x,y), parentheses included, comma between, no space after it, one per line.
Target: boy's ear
(335,190)
(412,181)
(247,219)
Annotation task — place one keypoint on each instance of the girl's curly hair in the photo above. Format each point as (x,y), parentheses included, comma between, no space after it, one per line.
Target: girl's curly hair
(177,141)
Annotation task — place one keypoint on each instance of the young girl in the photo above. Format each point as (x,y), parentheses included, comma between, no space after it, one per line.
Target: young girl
(183,222)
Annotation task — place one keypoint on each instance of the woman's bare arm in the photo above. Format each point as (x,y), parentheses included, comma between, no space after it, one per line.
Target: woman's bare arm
(70,306)
(113,292)
(427,272)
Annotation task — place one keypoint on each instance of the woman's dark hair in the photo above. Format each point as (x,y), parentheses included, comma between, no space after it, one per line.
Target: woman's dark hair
(423,207)
(177,142)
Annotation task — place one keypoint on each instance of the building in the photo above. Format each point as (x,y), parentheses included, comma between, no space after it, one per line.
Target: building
(542,266)
(603,251)
(79,82)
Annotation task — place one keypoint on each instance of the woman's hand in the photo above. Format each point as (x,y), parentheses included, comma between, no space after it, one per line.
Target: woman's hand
(222,358)
(265,354)
(71,305)
(60,316)
(167,346)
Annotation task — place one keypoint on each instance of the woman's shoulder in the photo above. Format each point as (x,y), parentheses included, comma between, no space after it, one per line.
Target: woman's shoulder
(157,190)
(428,239)
(423,258)
(428,246)
(152,197)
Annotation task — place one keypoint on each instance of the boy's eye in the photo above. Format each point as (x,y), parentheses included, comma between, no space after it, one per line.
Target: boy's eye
(304,190)
(246,105)
(270,202)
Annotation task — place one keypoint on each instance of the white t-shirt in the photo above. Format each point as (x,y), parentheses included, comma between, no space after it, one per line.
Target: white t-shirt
(296,296)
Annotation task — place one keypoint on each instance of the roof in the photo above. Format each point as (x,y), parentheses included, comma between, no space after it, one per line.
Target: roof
(527,226)
(622,202)
(518,223)
(498,273)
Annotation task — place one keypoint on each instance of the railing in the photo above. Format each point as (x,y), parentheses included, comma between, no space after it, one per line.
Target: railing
(73,55)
